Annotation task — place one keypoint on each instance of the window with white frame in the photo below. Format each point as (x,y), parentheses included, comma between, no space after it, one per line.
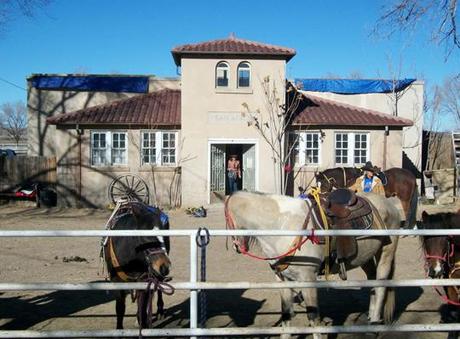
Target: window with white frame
(159,148)
(149,149)
(108,148)
(244,74)
(307,148)
(351,148)
(341,148)
(222,71)
(98,149)
(168,149)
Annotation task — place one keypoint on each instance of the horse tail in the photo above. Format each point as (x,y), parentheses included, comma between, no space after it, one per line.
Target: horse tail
(412,214)
(390,299)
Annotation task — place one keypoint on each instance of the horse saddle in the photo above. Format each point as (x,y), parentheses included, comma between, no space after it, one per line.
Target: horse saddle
(348,211)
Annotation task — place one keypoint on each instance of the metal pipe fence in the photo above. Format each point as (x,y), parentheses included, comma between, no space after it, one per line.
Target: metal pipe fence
(193,285)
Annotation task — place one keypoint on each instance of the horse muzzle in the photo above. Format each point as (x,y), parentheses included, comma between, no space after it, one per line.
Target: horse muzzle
(436,271)
(159,265)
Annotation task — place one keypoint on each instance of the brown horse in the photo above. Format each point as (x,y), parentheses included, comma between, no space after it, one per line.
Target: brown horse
(442,258)
(397,182)
(138,259)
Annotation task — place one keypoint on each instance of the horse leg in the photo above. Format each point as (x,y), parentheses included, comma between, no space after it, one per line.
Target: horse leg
(406,208)
(287,309)
(453,313)
(385,270)
(370,268)
(120,307)
(310,296)
(160,306)
(142,306)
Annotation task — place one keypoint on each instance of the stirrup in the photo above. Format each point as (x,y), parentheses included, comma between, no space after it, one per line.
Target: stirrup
(342,270)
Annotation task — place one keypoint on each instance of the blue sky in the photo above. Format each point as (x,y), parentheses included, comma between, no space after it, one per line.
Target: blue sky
(135,37)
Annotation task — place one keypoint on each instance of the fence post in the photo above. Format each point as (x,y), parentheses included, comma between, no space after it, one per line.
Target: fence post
(193,280)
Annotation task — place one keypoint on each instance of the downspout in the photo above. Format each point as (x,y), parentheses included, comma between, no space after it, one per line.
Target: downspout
(385,146)
(79,134)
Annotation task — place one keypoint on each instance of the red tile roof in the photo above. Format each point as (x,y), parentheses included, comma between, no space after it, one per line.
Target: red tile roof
(231,46)
(158,108)
(324,112)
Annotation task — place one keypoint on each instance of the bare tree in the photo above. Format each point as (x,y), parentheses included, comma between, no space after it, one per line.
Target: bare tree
(396,93)
(273,125)
(438,16)
(10,9)
(13,118)
(449,97)
(356,75)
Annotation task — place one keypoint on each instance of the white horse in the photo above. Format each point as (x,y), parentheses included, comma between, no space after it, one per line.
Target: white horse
(375,255)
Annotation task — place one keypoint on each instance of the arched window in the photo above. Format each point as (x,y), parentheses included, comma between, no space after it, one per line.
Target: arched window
(244,74)
(222,71)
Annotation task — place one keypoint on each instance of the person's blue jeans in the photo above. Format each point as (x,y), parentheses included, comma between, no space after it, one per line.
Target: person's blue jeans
(232,182)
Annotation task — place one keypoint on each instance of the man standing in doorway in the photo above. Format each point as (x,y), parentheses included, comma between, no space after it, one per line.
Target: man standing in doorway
(233,172)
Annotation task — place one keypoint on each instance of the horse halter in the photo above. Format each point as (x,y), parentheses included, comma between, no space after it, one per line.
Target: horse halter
(151,252)
(330,180)
(446,258)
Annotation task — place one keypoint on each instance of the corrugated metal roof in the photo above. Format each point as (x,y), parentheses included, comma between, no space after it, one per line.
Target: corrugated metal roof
(231,46)
(158,108)
(319,111)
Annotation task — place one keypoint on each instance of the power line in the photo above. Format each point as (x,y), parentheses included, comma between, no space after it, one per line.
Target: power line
(12,84)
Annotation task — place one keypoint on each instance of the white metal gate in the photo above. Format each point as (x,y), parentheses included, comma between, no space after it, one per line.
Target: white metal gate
(217,168)
(193,285)
(249,167)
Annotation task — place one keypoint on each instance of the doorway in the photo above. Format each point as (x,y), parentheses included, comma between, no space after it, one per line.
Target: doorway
(219,155)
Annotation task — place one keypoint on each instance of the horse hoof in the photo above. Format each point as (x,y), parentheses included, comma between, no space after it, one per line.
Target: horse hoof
(158,316)
(326,321)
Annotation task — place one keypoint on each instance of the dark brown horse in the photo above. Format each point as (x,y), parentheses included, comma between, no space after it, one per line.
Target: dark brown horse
(442,258)
(138,259)
(397,182)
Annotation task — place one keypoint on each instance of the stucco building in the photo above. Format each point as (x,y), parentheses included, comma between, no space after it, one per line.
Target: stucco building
(177,134)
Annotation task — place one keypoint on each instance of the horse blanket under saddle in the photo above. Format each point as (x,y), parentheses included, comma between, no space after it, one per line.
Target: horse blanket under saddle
(349,211)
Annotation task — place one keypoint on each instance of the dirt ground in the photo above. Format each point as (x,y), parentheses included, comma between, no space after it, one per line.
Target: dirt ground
(42,260)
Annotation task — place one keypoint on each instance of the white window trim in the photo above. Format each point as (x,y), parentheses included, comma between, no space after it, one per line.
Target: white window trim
(351,148)
(159,147)
(238,75)
(303,148)
(108,148)
(228,74)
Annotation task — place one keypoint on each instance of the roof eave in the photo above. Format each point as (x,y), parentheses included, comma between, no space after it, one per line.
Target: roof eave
(351,125)
(178,55)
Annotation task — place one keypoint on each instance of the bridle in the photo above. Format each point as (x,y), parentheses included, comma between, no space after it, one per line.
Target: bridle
(448,255)
(446,261)
(330,180)
(295,246)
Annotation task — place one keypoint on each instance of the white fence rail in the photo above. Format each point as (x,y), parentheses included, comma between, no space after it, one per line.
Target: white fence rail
(193,285)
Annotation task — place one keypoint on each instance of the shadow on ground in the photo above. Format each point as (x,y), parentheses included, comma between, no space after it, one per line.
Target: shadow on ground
(26,312)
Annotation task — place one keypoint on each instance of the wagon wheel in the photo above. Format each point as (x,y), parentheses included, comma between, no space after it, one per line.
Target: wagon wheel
(129,186)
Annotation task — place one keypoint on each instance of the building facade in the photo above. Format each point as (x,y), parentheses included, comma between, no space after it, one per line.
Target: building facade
(178,134)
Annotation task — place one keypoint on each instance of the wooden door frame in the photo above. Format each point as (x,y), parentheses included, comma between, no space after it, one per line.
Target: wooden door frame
(224,141)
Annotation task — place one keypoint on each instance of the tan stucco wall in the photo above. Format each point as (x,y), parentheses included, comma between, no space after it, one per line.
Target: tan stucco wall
(163,182)
(47,140)
(200,98)
(305,174)
(46,103)
(410,106)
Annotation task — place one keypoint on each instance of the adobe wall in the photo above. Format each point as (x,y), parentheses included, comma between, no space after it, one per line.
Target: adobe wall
(305,174)
(410,106)
(210,113)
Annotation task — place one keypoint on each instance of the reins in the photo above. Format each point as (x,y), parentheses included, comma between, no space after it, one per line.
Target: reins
(145,300)
(296,245)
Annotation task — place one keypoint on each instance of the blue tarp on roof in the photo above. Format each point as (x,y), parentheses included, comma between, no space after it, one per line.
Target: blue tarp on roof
(131,84)
(352,86)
